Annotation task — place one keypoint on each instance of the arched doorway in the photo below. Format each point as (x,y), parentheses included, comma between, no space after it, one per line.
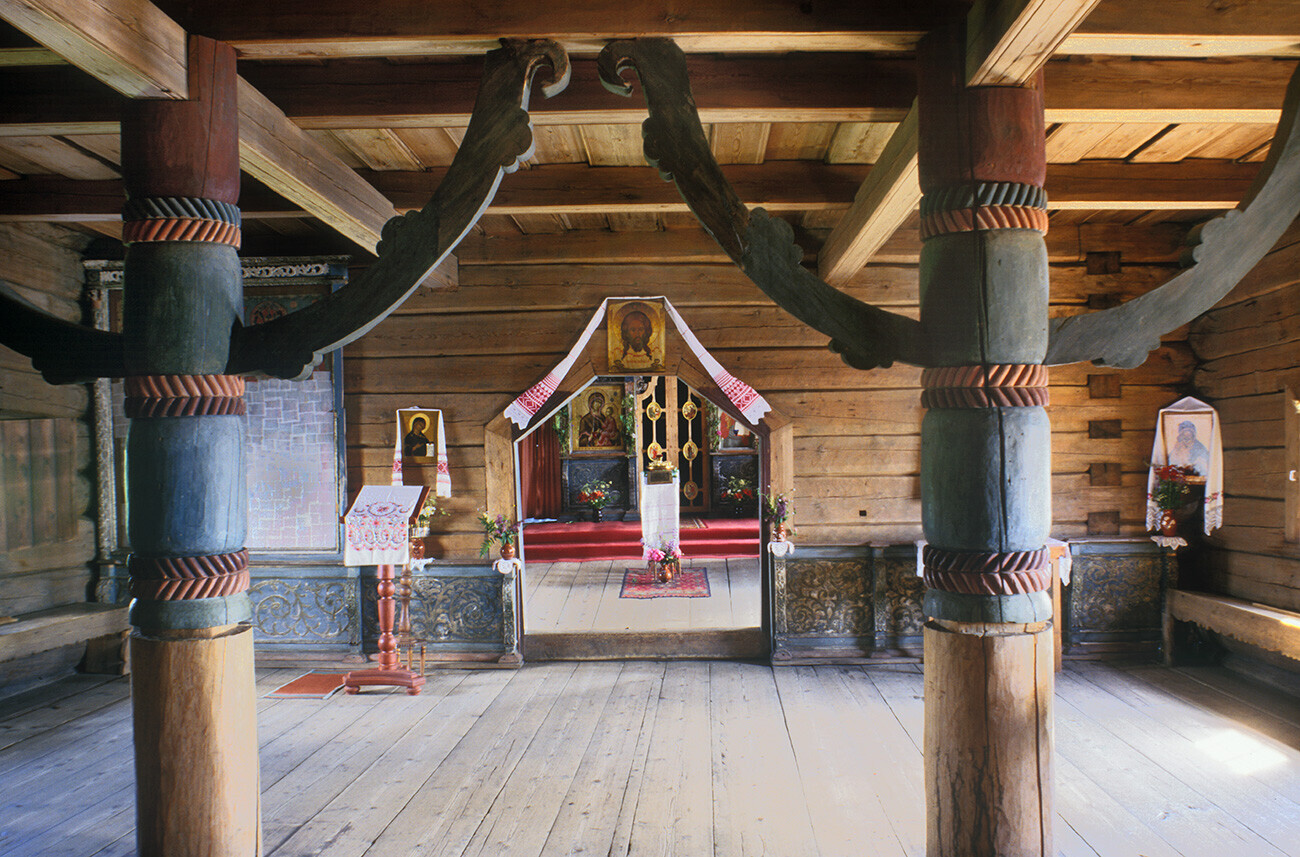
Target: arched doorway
(684,362)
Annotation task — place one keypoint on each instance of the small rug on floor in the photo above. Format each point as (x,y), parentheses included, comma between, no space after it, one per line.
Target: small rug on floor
(309,686)
(688,583)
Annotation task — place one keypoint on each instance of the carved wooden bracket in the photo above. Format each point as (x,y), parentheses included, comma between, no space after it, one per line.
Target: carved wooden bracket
(498,138)
(763,246)
(1227,248)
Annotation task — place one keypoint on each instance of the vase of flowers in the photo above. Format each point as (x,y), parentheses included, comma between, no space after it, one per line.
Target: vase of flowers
(596,495)
(498,532)
(778,509)
(1171,494)
(739,493)
(664,561)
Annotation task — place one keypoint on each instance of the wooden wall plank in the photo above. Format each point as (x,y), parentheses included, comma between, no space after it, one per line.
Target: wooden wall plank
(18,482)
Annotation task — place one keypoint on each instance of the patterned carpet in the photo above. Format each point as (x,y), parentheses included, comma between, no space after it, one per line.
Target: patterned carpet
(689,583)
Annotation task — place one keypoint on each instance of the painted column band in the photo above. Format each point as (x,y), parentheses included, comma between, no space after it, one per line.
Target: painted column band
(982,206)
(181,219)
(1003,385)
(182,578)
(184,395)
(987,572)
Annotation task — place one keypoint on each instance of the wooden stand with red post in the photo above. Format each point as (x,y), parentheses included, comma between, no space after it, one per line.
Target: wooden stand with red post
(390,672)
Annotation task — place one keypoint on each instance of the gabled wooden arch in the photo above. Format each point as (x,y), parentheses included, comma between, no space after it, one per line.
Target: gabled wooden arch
(776,459)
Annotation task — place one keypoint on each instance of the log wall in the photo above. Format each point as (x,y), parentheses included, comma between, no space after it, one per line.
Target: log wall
(46,538)
(1248,353)
(470,350)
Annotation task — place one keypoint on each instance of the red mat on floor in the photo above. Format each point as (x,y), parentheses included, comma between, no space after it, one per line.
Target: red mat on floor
(689,583)
(309,686)
(715,537)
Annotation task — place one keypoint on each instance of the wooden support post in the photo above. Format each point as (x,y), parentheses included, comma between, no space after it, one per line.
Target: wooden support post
(985,462)
(192,654)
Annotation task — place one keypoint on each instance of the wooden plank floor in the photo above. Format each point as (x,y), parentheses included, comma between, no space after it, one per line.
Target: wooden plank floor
(583,597)
(686,758)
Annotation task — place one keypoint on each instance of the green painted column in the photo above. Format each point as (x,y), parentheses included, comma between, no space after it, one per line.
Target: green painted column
(192,647)
(985,462)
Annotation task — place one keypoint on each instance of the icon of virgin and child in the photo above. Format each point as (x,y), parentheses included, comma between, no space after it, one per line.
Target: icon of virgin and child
(599,427)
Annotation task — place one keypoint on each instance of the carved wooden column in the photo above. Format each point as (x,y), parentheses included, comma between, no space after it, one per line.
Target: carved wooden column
(985,463)
(192,650)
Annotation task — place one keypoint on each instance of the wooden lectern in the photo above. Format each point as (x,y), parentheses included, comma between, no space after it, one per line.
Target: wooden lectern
(377,532)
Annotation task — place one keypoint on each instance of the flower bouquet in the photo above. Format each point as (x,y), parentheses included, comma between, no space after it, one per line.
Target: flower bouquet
(1171,493)
(778,508)
(596,494)
(664,561)
(498,531)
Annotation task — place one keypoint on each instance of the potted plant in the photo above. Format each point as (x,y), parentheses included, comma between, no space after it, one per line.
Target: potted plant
(664,561)
(498,531)
(596,495)
(1171,493)
(778,508)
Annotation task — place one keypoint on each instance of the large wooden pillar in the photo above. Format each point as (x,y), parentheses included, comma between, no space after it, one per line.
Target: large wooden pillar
(985,463)
(192,651)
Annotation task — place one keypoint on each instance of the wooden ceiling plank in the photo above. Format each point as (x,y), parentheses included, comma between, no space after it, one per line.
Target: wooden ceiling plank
(1179,142)
(379,149)
(633,222)
(1071,142)
(558,144)
(51,155)
(132,46)
(432,147)
(739,142)
(107,146)
(613,145)
(859,142)
(1008,42)
(1124,139)
(799,141)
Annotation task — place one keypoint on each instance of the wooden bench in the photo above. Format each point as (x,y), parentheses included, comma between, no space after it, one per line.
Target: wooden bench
(68,625)
(1267,628)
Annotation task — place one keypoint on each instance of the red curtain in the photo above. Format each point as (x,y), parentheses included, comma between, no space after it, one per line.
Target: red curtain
(539,465)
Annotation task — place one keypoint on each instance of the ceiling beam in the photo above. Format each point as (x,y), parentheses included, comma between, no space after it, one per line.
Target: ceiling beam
(1189,28)
(783,186)
(389,28)
(835,88)
(345,28)
(131,46)
(110,39)
(289,161)
(1007,40)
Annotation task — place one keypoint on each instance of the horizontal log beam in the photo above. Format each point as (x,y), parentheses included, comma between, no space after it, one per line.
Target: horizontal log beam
(130,46)
(780,186)
(340,28)
(826,88)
